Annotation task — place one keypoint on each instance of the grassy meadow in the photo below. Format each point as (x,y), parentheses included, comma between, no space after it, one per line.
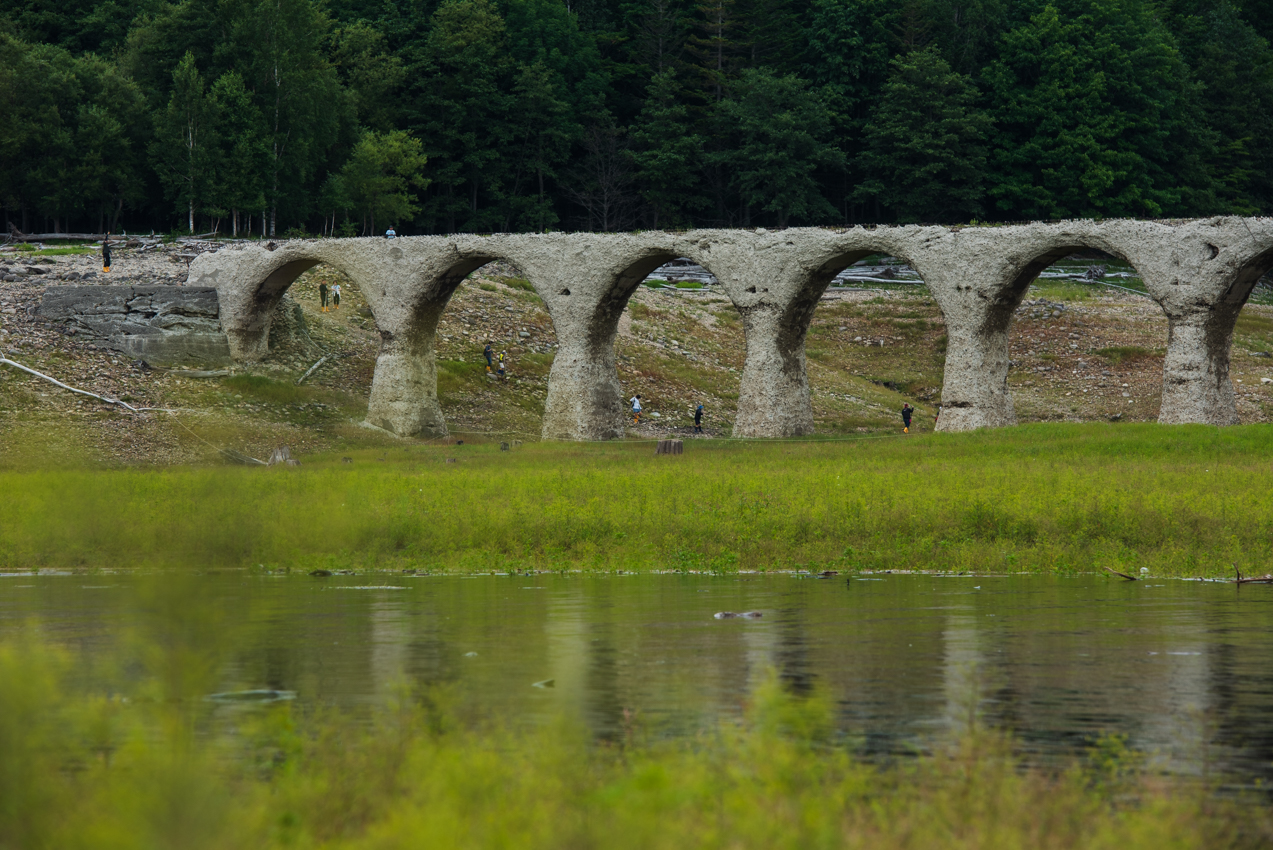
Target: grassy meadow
(1044,498)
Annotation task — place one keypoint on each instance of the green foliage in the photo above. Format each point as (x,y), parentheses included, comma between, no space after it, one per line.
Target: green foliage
(926,153)
(617,114)
(143,759)
(1095,114)
(782,133)
(1186,501)
(380,176)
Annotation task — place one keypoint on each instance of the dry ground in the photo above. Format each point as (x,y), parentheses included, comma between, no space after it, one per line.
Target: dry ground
(1079,352)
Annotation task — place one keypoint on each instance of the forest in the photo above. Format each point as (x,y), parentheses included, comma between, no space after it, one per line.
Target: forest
(344,117)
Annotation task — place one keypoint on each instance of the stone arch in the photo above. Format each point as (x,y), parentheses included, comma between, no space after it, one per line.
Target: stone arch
(404,389)
(778,286)
(586,301)
(1061,345)
(251,280)
(980,279)
(1197,386)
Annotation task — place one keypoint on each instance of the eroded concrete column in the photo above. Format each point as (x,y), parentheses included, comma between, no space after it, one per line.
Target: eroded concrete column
(773,394)
(975,387)
(404,389)
(1196,385)
(585,400)
(1201,275)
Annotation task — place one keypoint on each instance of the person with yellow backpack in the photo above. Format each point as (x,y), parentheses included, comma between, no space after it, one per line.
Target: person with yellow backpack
(907,410)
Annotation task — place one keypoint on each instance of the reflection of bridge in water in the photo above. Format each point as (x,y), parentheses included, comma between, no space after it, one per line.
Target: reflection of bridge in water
(1199,272)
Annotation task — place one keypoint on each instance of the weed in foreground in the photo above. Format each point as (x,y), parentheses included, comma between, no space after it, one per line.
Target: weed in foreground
(123,770)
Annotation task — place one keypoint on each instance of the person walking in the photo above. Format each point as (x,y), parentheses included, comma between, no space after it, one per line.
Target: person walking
(698,419)
(335,296)
(907,410)
(322,295)
(106,254)
(636,409)
(501,365)
(488,352)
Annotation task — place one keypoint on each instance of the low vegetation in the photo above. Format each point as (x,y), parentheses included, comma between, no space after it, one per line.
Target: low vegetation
(148,760)
(1182,501)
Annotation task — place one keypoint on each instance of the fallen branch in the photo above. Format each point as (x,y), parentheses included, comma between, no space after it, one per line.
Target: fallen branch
(1266,579)
(313,368)
(1117,573)
(7,362)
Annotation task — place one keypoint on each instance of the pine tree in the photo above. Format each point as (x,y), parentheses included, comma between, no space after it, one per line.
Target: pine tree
(781,133)
(667,153)
(926,153)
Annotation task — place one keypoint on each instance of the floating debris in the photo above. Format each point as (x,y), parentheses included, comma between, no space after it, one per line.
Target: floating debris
(546,683)
(730,615)
(255,695)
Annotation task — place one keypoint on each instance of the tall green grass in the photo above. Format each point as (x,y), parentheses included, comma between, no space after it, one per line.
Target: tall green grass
(148,761)
(1043,498)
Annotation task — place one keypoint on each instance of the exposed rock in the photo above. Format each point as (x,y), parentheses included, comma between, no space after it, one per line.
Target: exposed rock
(162,324)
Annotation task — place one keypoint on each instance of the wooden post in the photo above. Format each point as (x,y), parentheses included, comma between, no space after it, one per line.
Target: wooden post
(670,447)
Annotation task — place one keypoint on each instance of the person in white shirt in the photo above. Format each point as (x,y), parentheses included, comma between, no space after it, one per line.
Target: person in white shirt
(335,296)
(636,409)
(390,234)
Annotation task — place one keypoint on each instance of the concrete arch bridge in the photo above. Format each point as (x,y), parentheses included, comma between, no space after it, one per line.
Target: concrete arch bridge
(1200,272)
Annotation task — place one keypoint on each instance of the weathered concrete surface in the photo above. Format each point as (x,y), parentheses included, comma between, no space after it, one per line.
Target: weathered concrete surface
(161,324)
(1201,272)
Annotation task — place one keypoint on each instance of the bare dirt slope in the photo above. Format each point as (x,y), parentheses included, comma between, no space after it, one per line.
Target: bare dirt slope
(1079,353)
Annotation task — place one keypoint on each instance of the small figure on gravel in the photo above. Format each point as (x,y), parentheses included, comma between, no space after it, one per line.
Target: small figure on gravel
(501,364)
(488,352)
(636,409)
(106,253)
(698,419)
(907,410)
(335,296)
(391,234)
(322,295)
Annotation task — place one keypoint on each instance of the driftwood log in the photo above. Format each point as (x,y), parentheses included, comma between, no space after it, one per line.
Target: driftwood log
(669,447)
(1121,575)
(1265,579)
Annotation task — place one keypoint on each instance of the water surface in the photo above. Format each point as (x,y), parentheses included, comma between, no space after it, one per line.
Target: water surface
(1185,669)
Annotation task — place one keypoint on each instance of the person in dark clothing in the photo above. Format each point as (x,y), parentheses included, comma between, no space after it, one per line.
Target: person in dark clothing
(489,352)
(907,410)
(698,419)
(322,295)
(106,253)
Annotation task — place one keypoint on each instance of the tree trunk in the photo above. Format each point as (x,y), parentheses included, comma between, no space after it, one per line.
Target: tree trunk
(190,217)
(273,219)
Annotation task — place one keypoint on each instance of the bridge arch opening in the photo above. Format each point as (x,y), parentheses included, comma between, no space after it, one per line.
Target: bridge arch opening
(484,300)
(614,346)
(680,344)
(1086,341)
(875,339)
(1247,311)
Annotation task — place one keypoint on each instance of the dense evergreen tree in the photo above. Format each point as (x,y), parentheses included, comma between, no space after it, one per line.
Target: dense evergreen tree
(539,114)
(926,155)
(782,133)
(1095,115)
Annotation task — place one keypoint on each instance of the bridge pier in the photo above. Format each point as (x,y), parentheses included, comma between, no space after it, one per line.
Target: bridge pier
(404,387)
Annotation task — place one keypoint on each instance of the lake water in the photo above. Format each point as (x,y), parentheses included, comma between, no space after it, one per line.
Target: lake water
(1185,669)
